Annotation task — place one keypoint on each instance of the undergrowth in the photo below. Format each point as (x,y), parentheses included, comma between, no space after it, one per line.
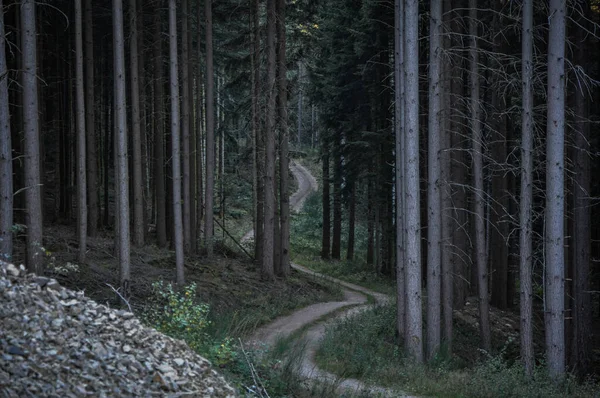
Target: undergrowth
(365,347)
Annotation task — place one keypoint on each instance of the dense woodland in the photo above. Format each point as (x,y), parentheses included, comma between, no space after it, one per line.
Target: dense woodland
(457,143)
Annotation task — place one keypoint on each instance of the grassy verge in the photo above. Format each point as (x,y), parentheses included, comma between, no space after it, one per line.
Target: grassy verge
(364,347)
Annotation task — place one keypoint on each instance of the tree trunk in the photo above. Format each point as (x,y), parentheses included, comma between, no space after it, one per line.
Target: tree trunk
(159,132)
(479,211)
(414,322)
(582,299)
(434,221)
(554,238)
(91,157)
(81,148)
(351,222)
(526,200)
(336,241)
(399,178)
(176,144)
(326,228)
(269,201)
(258,148)
(122,174)
(33,205)
(199,136)
(300,95)
(138,187)
(6,170)
(185,127)
(284,197)
(446,199)
(210,132)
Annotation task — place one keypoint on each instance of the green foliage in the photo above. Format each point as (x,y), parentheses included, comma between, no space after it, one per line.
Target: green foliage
(365,347)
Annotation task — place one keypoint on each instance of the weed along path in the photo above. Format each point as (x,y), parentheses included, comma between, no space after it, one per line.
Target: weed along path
(309,323)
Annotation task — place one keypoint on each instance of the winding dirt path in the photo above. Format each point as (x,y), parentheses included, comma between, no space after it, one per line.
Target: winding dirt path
(316,315)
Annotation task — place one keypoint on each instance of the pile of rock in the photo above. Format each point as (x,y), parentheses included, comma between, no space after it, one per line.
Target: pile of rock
(56,342)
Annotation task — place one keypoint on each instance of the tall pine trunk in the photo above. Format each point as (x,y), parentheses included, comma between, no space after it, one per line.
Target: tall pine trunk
(33,204)
(81,148)
(120,143)
(6,169)
(159,132)
(210,132)
(175,144)
(399,178)
(284,197)
(91,157)
(137,183)
(258,147)
(414,323)
(326,227)
(526,200)
(434,219)
(185,127)
(479,201)
(269,177)
(555,196)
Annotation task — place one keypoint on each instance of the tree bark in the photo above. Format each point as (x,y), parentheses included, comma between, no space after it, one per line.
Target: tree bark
(351,222)
(479,201)
(258,149)
(6,169)
(159,131)
(336,241)
(399,178)
(91,155)
(35,253)
(81,148)
(414,323)
(526,200)
(122,174)
(554,238)
(582,299)
(185,128)
(326,228)
(269,194)
(284,197)
(210,132)
(434,221)
(138,187)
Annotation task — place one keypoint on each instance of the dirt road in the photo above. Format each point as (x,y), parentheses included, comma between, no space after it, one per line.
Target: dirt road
(316,315)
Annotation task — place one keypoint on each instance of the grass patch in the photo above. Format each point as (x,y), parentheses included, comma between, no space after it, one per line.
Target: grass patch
(365,347)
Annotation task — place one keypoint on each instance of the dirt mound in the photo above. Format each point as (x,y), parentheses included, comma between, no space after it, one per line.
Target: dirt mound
(55,342)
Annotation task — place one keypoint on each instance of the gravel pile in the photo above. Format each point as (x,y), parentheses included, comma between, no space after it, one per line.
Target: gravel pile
(55,342)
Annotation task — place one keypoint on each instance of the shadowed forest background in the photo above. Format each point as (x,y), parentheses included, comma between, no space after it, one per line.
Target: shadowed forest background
(454,143)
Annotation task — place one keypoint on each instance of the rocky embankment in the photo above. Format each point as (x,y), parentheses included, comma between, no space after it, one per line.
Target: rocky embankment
(55,342)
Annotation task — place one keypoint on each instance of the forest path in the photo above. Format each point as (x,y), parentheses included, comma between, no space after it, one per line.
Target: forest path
(315,318)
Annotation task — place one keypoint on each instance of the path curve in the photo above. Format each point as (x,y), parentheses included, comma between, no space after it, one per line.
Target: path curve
(355,297)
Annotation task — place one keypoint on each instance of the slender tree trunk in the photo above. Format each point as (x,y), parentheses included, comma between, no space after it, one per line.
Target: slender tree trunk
(91,157)
(414,322)
(326,232)
(582,299)
(258,147)
(185,127)
(399,179)
(526,200)
(446,194)
(175,143)
(434,222)
(81,149)
(138,187)
(351,222)
(554,239)
(210,131)
(300,95)
(200,136)
(6,169)
(479,211)
(269,201)
(33,205)
(122,174)
(159,131)
(284,198)
(336,241)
